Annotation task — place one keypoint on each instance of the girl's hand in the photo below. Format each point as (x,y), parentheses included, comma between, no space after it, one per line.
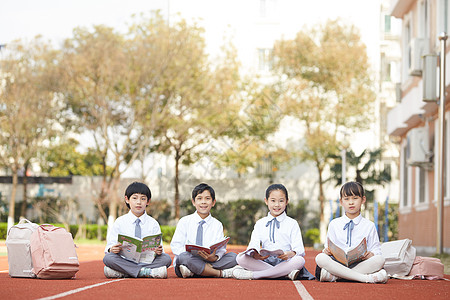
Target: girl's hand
(327,251)
(286,255)
(159,250)
(208,257)
(259,256)
(116,248)
(368,255)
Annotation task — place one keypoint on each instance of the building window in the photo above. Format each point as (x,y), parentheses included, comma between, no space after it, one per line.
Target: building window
(387,24)
(421,186)
(265,59)
(405,180)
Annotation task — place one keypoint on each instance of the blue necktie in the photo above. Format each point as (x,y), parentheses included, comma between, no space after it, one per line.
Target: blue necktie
(349,227)
(137,229)
(272,223)
(199,239)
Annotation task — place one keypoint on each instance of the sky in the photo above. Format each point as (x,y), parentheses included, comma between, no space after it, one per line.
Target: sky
(55,19)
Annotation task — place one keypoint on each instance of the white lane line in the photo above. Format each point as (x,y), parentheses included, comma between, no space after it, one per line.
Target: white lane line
(79,290)
(302,291)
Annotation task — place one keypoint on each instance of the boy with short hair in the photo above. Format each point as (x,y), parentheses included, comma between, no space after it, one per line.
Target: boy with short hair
(204,230)
(136,223)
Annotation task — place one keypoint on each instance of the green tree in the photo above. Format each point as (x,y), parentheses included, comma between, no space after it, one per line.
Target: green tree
(100,91)
(326,87)
(247,134)
(63,159)
(367,170)
(29,107)
(195,94)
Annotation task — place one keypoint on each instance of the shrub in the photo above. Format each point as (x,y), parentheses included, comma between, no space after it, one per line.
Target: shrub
(311,237)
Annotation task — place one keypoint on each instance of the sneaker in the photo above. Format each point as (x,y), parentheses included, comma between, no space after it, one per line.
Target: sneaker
(293,275)
(185,272)
(378,277)
(228,273)
(240,273)
(326,276)
(160,272)
(110,273)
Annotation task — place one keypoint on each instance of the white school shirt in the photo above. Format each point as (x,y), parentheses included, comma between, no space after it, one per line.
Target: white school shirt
(287,238)
(186,233)
(363,229)
(125,225)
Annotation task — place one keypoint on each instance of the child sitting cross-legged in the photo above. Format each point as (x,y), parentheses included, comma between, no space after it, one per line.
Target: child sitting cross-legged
(276,231)
(346,232)
(202,229)
(136,223)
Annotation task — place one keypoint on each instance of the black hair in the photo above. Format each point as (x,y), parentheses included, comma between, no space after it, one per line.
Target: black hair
(352,188)
(137,188)
(274,187)
(201,188)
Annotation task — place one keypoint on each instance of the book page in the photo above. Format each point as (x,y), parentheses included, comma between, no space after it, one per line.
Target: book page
(149,245)
(337,252)
(220,244)
(356,254)
(131,247)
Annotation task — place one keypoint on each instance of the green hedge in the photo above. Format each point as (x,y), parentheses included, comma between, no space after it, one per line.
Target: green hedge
(91,231)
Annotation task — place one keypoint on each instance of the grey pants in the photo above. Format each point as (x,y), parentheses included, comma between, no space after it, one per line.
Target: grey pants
(118,263)
(196,264)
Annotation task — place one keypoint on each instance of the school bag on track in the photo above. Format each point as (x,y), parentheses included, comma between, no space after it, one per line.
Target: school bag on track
(430,268)
(20,263)
(53,253)
(399,256)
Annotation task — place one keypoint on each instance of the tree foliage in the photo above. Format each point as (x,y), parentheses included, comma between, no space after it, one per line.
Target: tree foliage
(324,75)
(29,108)
(63,159)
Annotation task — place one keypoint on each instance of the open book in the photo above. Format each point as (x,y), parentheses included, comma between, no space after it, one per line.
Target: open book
(350,257)
(263,252)
(139,250)
(195,248)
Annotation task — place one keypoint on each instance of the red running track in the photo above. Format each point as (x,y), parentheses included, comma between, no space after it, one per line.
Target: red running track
(90,283)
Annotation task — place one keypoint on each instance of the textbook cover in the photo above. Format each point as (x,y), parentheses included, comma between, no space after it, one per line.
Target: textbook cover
(195,248)
(352,256)
(139,250)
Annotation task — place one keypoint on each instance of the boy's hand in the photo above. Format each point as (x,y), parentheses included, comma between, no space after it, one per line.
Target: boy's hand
(286,255)
(327,251)
(116,248)
(368,255)
(159,250)
(208,257)
(259,256)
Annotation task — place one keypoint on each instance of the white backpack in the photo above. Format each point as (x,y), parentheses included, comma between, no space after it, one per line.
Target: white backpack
(18,247)
(399,257)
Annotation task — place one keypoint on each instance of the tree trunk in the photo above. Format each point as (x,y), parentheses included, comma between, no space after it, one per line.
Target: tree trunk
(23,211)
(177,191)
(323,226)
(12,201)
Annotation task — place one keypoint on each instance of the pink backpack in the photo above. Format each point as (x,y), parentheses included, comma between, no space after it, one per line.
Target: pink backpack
(53,253)
(427,268)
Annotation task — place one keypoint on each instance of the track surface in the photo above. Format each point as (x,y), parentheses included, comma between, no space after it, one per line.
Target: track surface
(90,283)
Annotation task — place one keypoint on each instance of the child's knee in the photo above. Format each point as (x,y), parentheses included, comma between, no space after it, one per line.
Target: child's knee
(378,260)
(321,259)
(299,261)
(183,258)
(166,260)
(240,258)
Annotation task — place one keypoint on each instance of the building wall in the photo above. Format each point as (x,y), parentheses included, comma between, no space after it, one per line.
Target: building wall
(420,226)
